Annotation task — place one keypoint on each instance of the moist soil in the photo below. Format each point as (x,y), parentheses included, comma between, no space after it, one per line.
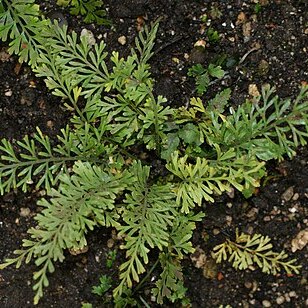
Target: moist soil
(260,42)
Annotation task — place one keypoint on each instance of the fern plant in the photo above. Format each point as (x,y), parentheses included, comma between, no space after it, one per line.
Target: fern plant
(247,250)
(95,174)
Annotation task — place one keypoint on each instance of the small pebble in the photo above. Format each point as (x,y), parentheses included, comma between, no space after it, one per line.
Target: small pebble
(288,194)
(216,231)
(292,294)
(295,197)
(266,303)
(122,40)
(8,93)
(24,212)
(248,284)
(90,39)
(280,300)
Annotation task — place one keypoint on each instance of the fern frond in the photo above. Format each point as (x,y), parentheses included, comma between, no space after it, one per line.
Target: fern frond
(147,215)
(171,279)
(34,158)
(92,10)
(154,117)
(248,250)
(199,181)
(170,284)
(268,128)
(82,201)
(21,22)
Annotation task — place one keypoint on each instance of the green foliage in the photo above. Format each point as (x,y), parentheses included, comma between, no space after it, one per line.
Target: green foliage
(20,23)
(97,173)
(249,250)
(105,283)
(203,76)
(111,256)
(92,10)
(266,128)
(86,305)
(212,35)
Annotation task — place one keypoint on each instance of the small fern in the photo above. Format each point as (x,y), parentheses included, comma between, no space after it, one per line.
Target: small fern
(95,177)
(249,250)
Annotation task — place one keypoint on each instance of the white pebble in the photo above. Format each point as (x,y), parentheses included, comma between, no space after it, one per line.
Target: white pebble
(266,303)
(122,40)
(280,300)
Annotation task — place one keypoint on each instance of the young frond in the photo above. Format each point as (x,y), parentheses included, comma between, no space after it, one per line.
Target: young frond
(145,42)
(170,283)
(249,250)
(147,214)
(70,62)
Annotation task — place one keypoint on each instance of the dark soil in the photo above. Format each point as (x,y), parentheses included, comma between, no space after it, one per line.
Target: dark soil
(262,42)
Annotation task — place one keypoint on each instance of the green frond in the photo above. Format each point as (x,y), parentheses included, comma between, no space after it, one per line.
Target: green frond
(170,284)
(92,10)
(200,181)
(249,250)
(148,213)
(267,128)
(21,22)
(82,201)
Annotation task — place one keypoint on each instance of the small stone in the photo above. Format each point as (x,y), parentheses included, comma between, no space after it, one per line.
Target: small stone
(267,218)
(287,297)
(228,220)
(300,241)
(216,231)
(110,243)
(248,284)
(293,209)
(77,251)
(89,36)
(295,196)
(252,213)
(24,212)
(266,303)
(280,300)
(198,258)
(50,124)
(288,194)
(247,29)
(241,18)
(122,40)
(292,294)
(200,43)
(4,56)
(8,92)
